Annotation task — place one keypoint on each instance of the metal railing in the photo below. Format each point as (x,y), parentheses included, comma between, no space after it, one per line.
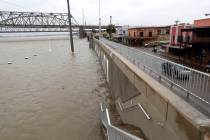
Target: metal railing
(113,132)
(181,78)
(122,108)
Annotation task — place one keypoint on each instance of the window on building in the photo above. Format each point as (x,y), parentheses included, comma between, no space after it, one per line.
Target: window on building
(124,32)
(129,34)
(167,31)
(150,34)
(134,34)
(188,39)
(141,34)
(159,32)
(180,39)
(173,39)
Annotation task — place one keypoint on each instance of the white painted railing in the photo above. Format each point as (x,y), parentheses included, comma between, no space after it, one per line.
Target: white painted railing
(180,78)
(114,133)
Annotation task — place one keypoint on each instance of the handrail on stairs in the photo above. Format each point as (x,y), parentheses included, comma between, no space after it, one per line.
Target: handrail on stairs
(122,108)
(113,132)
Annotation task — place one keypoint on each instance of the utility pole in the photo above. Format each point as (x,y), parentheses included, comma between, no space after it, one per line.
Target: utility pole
(70,27)
(83,17)
(110,20)
(99,19)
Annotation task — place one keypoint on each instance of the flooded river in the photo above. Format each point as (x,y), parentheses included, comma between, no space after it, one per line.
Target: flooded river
(47,93)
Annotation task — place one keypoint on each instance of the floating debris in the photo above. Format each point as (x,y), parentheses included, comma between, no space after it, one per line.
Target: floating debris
(26,57)
(9,63)
(35,54)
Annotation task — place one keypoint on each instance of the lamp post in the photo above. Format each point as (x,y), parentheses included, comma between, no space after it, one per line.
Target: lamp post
(99,19)
(70,27)
(110,20)
(83,17)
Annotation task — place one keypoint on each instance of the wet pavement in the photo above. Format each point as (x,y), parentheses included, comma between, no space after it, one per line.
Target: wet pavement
(52,95)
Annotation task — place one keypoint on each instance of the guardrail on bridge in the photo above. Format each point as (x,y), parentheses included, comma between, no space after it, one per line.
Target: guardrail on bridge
(191,82)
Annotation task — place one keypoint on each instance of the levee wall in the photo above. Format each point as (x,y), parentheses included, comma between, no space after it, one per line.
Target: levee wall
(145,103)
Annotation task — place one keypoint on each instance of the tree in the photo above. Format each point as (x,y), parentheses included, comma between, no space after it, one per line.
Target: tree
(93,31)
(110,29)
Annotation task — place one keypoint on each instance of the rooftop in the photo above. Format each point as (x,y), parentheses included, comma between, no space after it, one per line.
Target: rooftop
(149,27)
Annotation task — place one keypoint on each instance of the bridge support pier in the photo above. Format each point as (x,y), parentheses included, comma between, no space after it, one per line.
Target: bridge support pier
(82,33)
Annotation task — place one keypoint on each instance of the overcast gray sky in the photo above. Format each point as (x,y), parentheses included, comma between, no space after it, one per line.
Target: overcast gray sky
(124,12)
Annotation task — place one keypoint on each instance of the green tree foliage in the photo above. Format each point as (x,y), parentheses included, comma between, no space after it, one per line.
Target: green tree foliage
(110,29)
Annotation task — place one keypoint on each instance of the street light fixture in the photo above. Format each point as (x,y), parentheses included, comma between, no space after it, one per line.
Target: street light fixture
(83,17)
(207,14)
(70,27)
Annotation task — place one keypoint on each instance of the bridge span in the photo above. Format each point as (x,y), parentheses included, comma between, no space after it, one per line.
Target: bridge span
(11,22)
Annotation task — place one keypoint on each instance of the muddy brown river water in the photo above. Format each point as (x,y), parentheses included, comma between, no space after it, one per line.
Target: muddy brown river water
(52,95)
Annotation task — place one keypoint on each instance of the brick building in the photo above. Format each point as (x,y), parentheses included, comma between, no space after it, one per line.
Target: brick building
(176,34)
(200,40)
(140,35)
(202,22)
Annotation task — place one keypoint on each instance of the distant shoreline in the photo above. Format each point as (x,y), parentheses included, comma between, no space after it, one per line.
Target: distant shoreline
(34,34)
(5,37)
(34,38)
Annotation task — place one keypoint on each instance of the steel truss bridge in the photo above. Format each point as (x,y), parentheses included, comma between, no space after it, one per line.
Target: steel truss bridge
(38,22)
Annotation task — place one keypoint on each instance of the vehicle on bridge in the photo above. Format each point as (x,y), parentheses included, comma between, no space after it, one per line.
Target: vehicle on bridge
(175,71)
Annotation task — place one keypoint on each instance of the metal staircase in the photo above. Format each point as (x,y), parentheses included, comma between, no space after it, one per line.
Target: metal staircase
(114,133)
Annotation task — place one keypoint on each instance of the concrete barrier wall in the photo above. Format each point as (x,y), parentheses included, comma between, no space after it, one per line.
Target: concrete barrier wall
(120,84)
(171,118)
